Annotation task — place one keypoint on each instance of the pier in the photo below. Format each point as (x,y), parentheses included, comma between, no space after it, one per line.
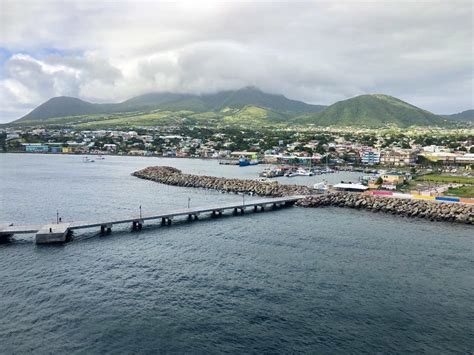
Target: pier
(59,232)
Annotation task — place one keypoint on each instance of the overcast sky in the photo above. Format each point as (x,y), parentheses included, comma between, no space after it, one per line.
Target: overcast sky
(318,52)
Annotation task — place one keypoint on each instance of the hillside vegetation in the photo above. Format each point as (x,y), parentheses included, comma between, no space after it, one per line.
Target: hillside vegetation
(248,107)
(373,111)
(69,106)
(465,116)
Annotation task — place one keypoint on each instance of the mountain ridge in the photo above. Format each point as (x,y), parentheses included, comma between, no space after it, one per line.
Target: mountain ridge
(369,110)
(463,116)
(56,107)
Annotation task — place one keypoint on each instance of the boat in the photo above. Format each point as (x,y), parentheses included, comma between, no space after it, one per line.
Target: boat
(272,172)
(87,160)
(320,186)
(300,172)
(229,162)
(244,162)
(100,157)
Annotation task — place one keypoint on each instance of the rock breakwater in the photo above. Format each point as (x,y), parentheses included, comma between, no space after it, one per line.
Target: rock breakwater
(434,211)
(430,210)
(172,176)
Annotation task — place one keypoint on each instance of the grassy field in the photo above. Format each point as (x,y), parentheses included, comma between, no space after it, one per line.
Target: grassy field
(251,116)
(463,191)
(446,179)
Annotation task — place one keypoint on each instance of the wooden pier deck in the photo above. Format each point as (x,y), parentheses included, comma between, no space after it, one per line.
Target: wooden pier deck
(53,233)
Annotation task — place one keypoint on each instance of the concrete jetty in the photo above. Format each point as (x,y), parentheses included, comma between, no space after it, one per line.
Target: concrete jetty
(58,233)
(53,233)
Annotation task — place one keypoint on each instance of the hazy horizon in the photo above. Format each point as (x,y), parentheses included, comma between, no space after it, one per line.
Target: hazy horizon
(316,52)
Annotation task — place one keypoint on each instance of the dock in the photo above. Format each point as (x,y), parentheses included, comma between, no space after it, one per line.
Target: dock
(59,232)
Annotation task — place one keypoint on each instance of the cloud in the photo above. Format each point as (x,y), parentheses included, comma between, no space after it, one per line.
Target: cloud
(315,51)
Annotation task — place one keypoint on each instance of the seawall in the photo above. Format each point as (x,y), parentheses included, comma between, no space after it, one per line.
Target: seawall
(427,209)
(172,176)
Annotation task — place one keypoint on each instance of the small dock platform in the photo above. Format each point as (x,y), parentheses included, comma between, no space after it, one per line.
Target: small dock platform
(53,233)
(58,233)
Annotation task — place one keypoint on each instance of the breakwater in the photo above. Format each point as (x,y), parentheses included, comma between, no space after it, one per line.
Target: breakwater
(427,209)
(433,211)
(172,176)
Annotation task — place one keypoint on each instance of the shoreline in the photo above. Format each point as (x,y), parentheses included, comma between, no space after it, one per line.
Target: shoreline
(357,168)
(427,209)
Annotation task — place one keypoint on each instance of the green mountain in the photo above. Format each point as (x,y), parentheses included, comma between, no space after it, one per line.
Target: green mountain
(465,116)
(373,111)
(61,106)
(248,106)
(69,106)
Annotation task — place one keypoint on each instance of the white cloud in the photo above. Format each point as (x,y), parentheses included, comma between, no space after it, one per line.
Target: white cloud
(315,51)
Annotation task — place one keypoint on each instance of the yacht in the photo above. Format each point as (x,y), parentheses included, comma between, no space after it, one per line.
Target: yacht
(300,172)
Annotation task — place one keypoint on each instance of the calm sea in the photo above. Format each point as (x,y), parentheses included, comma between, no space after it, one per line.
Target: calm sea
(294,280)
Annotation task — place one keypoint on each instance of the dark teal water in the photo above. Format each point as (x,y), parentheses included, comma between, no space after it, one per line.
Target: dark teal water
(296,280)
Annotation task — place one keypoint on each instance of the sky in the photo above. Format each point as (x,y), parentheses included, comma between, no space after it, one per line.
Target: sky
(319,52)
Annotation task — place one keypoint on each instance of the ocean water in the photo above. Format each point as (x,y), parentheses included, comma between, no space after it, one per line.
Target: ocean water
(326,280)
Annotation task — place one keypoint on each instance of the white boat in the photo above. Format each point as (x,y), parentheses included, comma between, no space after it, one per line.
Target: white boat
(271,172)
(320,186)
(87,160)
(300,172)
(100,157)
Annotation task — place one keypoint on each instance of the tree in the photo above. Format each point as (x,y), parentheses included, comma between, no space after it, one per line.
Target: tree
(320,149)
(379,181)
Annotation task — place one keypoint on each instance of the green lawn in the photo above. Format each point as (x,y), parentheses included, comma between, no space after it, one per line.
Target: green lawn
(446,178)
(463,191)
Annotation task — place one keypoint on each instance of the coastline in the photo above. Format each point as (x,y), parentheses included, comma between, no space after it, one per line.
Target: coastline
(356,168)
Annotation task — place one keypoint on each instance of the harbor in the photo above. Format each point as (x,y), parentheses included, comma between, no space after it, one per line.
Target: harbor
(295,260)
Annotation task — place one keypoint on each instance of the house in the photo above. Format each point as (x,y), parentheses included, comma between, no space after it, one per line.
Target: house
(393,178)
(398,157)
(12,136)
(440,157)
(110,147)
(249,155)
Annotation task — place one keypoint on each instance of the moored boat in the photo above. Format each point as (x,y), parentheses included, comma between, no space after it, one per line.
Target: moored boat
(300,172)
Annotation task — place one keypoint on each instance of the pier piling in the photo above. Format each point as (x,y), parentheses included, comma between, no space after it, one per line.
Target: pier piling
(58,233)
